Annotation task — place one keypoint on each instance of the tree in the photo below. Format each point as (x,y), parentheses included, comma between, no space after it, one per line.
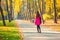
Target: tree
(50,6)
(42,8)
(28,8)
(10,15)
(55,13)
(7,10)
(2,14)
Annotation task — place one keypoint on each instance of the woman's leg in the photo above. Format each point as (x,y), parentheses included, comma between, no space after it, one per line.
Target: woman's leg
(38,29)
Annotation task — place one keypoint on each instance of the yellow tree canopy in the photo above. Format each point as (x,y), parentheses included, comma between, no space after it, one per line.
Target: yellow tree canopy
(17,5)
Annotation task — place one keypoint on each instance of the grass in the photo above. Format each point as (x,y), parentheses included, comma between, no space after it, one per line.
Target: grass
(9,32)
(10,24)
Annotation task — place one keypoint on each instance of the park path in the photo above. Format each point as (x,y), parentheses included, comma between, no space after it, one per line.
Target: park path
(29,32)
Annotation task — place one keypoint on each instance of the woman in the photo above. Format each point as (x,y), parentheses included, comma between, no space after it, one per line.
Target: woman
(38,22)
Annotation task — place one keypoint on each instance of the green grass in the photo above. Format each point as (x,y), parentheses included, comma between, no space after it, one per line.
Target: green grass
(10,24)
(9,32)
(9,36)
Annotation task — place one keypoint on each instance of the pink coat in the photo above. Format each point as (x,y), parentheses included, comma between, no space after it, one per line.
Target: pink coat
(38,21)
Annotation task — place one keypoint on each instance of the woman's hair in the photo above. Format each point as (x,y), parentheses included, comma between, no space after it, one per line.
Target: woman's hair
(37,14)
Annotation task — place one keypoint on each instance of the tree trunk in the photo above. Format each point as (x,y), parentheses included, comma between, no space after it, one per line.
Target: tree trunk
(55,13)
(28,8)
(42,8)
(2,14)
(7,10)
(10,11)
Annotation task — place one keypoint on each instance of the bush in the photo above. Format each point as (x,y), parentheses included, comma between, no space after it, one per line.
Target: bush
(46,16)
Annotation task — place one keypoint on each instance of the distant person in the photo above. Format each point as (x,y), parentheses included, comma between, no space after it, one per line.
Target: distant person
(38,22)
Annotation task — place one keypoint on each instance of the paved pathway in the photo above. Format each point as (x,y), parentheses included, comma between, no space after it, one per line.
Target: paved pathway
(30,33)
